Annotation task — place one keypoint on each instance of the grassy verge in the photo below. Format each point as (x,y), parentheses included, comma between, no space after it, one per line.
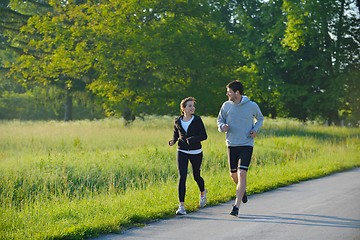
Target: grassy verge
(76,180)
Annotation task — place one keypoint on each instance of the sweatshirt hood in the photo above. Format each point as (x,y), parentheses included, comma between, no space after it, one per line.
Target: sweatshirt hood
(244,100)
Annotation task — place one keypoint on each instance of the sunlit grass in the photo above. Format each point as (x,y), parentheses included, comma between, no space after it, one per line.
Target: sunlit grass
(77,179)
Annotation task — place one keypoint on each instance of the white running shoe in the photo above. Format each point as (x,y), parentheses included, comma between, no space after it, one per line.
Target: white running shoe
(181,210)
(203,199)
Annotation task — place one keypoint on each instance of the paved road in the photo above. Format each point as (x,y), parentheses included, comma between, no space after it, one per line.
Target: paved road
(322,209)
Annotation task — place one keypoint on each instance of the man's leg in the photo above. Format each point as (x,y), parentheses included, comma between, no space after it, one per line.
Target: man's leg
(233,160)
(234,176)
(240,187)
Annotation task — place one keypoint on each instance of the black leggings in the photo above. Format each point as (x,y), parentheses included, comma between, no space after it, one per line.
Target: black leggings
(183,161)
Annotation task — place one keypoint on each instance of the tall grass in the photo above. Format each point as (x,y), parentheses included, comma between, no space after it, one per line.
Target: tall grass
(77,179)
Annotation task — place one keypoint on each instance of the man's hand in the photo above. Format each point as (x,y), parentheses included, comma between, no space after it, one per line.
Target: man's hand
(225,128)
(252,133)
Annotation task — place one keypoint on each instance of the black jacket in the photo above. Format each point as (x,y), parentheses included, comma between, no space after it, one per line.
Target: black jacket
(190,140)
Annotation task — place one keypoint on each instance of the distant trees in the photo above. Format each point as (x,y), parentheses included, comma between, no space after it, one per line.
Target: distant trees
(298,69)
(316,72)
(296,58)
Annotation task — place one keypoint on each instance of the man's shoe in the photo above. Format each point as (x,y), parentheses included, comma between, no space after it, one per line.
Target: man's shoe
(181,210)
(234,211)
(245,198)
(203,199)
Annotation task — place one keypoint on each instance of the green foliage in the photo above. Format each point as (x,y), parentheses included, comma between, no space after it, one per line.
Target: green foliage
(81,178)
(294,37)
(296,58)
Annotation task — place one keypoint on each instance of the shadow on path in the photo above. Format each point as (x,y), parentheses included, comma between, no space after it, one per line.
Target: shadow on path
(303,219)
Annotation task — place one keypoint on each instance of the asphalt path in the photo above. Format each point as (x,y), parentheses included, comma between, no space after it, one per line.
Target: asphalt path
(323,209)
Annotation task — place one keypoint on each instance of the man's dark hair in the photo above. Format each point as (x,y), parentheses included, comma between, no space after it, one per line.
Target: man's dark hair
(236,86)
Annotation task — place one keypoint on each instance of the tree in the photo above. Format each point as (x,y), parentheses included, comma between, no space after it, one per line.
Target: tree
(294,50)
(47,59)
(143,56)
(131,54)
(258,27)
(328,47)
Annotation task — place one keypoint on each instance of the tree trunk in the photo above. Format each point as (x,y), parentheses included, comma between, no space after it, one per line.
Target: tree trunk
(68,107)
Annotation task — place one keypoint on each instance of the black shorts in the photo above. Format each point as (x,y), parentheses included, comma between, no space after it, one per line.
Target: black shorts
(239,157)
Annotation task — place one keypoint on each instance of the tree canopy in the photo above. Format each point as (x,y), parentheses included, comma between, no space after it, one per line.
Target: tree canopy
(296,58)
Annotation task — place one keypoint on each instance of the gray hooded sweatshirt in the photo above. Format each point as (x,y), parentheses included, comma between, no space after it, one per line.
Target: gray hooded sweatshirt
(242,118)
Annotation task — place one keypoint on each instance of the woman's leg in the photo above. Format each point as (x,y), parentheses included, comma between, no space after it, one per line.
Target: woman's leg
(196,161)
(182,159)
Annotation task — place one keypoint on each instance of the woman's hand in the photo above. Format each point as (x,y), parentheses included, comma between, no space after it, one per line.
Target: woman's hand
(171,143)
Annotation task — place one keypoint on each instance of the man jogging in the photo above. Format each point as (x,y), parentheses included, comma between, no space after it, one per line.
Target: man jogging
(241,119)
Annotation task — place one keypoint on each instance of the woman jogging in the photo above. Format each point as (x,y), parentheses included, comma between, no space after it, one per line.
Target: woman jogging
(189,131)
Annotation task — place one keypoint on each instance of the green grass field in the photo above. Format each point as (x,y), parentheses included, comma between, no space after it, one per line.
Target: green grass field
(73,180)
